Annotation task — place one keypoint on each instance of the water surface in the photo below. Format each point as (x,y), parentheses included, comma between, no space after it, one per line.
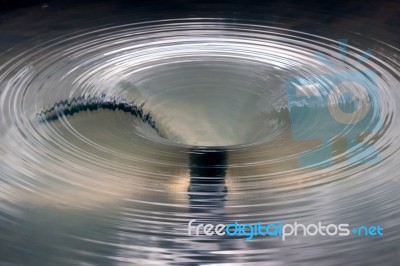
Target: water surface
(103,187)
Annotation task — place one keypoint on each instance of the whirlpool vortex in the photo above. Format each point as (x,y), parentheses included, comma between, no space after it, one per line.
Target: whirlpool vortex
(144,126)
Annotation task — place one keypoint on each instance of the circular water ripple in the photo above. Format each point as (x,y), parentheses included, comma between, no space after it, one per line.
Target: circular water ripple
(102,185)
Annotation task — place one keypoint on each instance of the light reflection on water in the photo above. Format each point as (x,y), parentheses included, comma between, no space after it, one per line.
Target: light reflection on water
(100,188)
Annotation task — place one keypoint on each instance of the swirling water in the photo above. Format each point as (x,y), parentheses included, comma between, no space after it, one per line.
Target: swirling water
(102,187)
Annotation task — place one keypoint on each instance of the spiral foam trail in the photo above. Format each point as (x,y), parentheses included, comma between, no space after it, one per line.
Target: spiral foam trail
(82,103)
